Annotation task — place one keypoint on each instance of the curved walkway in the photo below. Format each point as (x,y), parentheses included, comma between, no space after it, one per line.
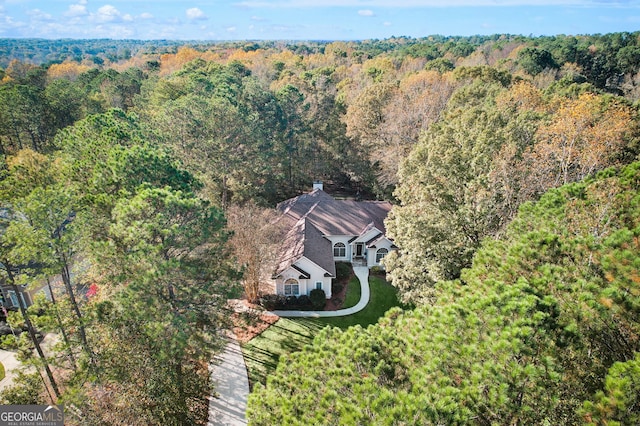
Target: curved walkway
(362,272)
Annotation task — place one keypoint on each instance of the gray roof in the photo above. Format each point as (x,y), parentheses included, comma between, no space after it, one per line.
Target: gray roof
(315,215)
(336,217)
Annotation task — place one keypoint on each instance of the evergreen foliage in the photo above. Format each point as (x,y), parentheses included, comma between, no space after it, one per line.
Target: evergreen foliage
(119,161)
(526,336)
(318,299)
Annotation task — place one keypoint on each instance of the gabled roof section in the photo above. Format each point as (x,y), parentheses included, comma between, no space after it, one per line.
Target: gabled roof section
(375,239)
(315,215)
(293,246)
(336,217)
(374,242)
(319,250)
(305,240)
(303,273)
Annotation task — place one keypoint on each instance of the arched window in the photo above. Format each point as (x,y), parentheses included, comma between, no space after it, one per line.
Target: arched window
(380,254)
(339,250)
(291,287)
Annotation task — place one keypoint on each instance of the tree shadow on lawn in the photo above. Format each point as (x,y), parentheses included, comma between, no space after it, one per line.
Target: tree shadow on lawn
(263,352)
(289,335)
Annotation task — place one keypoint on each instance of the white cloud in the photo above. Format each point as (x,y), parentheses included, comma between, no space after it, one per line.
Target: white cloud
(231,29)
(366,12)
(38,15)
(387,24)
(7,22)
(146,15)
(113,31)
(108,13)
(196,14)
(76,10)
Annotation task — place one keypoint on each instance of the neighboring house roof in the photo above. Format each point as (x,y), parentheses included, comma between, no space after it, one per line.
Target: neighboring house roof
(315,215)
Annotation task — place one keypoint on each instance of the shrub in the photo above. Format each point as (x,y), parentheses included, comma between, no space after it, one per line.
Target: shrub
(336,287)
(2,372)
(343,271)
(291,301)
(377,270)
(270,301)
(8,342)
(5,329)
(318,299)
(273,302)
(304,303)
(27,389)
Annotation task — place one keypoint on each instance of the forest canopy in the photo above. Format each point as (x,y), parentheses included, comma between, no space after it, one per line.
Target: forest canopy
(510,161)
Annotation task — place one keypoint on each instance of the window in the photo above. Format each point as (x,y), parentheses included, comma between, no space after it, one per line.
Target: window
(318,285)
(14,299)
(291,287)
(339,250)
(380,254)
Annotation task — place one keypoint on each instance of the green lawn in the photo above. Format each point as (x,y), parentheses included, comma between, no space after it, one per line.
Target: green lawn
(262,353)
(383,298)
(289,335)
(353,293)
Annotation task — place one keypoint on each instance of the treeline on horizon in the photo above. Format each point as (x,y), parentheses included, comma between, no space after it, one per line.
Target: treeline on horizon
(332,105)
(152,146)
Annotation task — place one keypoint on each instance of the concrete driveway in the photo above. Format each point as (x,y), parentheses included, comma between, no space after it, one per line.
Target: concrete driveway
(229,375)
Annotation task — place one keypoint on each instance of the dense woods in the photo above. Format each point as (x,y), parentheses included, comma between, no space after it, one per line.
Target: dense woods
(139,173)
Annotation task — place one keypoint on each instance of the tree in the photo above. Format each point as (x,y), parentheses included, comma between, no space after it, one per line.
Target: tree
(224,125)
(32,187)
(169,285)
(534,60)
(584,135)
(417,103)
(618,404)
(12,253)
(447,206)
(256,237)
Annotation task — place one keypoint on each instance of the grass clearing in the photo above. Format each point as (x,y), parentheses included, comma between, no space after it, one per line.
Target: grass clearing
(262,353)
(288,335)
(352,297)
(383,297)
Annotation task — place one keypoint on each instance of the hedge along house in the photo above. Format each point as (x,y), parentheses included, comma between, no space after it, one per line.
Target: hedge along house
(323,231)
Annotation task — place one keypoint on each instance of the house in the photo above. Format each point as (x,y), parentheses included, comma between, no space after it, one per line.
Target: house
(323,231)
(27,294)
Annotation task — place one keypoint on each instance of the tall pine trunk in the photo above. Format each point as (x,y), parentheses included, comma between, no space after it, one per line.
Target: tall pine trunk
(63,331)
(30,328)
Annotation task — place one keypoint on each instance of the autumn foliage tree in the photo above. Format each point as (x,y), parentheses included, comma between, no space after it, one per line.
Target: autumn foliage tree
(256,240)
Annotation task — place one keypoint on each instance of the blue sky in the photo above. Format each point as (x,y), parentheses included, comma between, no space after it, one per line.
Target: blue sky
(310,19)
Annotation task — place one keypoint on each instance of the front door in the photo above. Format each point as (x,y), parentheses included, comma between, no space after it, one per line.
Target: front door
(359,249)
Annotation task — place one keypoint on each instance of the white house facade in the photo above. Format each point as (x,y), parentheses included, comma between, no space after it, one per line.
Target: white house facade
(323,231)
